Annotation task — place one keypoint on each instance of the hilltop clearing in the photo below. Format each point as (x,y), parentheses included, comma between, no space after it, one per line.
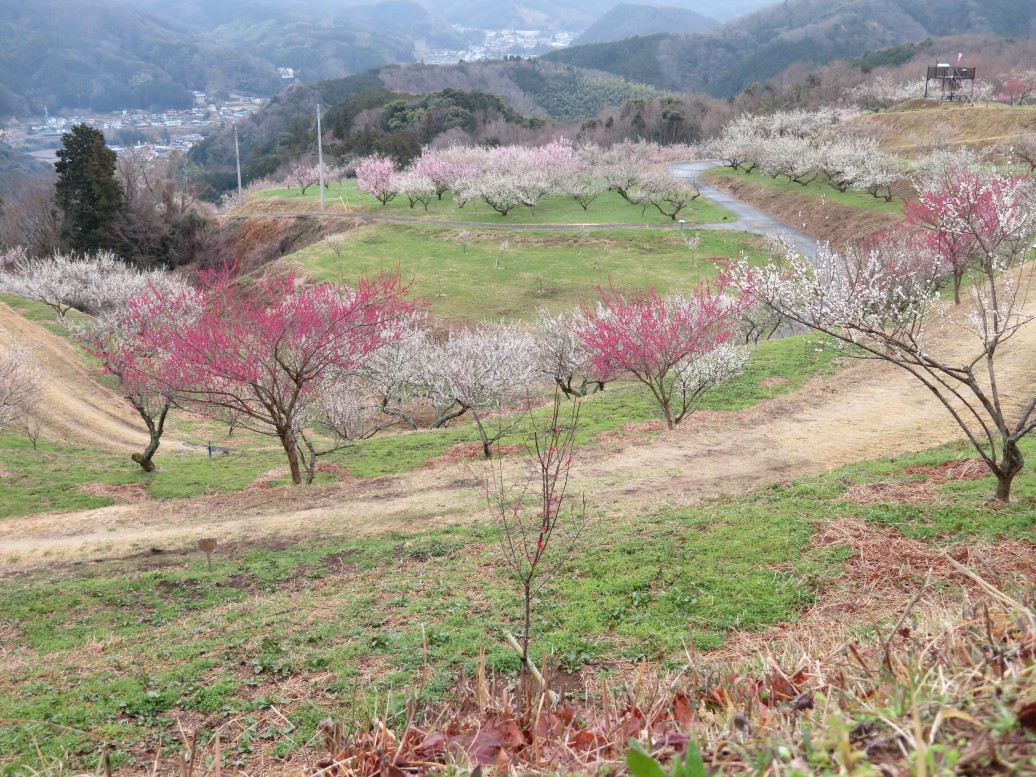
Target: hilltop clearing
(914,127)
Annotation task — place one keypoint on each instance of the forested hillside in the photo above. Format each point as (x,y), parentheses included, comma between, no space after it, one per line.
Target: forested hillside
(626,20)
(762,45)
(105,56)
(396,109)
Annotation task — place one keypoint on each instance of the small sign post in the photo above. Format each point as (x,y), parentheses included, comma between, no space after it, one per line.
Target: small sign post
(207,545)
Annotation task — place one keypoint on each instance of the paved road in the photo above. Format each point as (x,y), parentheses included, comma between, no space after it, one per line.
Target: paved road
(748,219)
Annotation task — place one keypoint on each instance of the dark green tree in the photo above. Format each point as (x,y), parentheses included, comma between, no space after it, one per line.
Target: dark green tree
(87,191)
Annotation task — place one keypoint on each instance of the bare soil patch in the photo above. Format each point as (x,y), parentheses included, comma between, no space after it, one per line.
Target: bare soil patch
(469,452)
(818,217)
(76,409)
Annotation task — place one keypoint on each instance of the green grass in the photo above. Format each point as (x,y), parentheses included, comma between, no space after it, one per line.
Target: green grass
(818,189)
(41,314)
(609,208)
(512,274)
(52,478)
(116,648)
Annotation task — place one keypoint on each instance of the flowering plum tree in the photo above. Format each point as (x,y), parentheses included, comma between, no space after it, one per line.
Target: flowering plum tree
(975,219)
(675,345)
(882,300)
(376,175)
(89,283)
(562,357)
(481,370)
(268,353)
(119,338)
(417,188)
(303,175)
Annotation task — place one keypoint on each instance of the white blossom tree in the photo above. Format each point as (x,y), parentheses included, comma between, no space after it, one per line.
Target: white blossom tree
(562,357)
(483,370)
(416,187)
(89,283)
(885,302)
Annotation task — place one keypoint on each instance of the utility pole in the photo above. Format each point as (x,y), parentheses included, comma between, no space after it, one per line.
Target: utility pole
(320,159)
(237,153)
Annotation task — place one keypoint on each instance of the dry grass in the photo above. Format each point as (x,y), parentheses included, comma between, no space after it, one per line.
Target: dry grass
(978,126)
(919,662)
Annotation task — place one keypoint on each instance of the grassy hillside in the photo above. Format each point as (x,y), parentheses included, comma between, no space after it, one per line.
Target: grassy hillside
(281,634)
(905,132)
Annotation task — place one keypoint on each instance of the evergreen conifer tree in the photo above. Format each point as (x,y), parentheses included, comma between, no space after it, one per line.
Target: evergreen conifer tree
(87,191)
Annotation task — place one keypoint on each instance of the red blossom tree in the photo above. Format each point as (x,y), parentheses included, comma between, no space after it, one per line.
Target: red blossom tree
(972,218)
(268,353)
(676,346)
(121,340)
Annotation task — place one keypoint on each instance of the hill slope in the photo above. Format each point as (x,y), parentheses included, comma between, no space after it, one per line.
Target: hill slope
(104,56)
(75,408)
(760,46)
(626,20)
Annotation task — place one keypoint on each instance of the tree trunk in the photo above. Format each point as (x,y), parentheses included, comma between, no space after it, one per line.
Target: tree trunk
(288,442)
(155,428)
(1010,466)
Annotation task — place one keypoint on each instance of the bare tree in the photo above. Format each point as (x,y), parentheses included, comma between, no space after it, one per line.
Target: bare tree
(21,386)
(538,530)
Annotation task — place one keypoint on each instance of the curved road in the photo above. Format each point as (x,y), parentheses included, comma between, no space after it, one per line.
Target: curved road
(748,219)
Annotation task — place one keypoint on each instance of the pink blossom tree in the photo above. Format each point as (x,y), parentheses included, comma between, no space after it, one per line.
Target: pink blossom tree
(675,345)
(376,175)
(972,218)
(268,353)
(303,175)
(120,339)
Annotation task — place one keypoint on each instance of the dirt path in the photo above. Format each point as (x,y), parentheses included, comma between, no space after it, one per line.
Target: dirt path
(76,409)
(867,411)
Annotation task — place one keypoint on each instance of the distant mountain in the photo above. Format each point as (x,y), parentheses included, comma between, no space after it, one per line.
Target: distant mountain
(626,20)
(763,44)
(316,39)
(528,14)
(101,55)
(565,14)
